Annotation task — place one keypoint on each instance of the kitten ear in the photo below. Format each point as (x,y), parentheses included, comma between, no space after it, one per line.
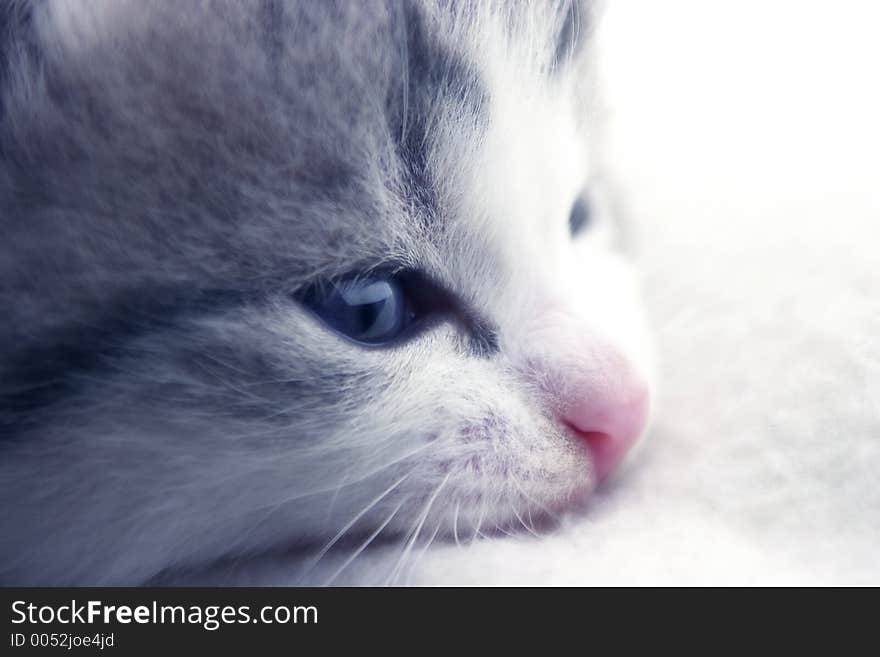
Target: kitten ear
(16,42)
(574,27)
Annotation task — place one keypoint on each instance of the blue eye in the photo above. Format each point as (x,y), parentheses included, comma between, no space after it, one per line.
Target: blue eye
(368,310)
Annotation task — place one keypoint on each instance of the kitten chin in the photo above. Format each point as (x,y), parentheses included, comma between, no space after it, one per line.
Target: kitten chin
(299,278)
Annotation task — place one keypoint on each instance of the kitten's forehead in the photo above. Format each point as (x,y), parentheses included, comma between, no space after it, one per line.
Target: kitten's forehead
(268,139)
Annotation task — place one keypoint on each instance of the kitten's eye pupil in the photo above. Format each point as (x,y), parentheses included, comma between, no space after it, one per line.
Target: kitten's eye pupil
(371,310)
(580,216)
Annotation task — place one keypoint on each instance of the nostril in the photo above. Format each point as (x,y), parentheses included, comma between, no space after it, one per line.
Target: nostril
(609,429)
(605,451)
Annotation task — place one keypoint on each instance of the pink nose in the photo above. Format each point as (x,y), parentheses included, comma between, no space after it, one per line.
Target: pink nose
(595,389)
(609,424)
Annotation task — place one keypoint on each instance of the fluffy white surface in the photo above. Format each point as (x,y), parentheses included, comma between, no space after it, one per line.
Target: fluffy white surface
(746,138)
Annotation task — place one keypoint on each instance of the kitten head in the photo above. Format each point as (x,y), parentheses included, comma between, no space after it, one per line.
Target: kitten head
(277,272)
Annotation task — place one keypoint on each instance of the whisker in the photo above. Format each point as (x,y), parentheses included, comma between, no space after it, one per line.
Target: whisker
(482,512)
(479,525)
(425,549)
(269,509)
(502,530)
(522,522)
(352,522)
(345,484)
(335,497)
(533,501)
(532,521)
(418,529)
(363,546)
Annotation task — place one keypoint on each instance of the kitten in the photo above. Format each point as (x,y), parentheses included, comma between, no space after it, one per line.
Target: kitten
(281,274)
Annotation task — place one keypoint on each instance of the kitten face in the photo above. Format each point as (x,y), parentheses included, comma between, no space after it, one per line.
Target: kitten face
(283,271)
